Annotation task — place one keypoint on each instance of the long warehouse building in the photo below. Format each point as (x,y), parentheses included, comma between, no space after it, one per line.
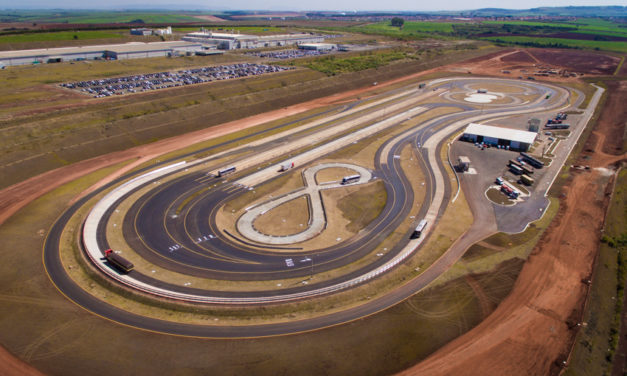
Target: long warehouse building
(231,41)
(514,138)
(133,50)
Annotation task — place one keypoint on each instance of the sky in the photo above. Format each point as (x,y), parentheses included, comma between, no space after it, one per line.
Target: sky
(299,5)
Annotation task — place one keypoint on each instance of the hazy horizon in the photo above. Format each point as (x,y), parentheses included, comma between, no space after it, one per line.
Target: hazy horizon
(294,5)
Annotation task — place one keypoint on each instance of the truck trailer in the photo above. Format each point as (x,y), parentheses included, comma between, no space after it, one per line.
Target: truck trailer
(515,169)
(531,160)
(226,171)
(419,229)
(118,261)
(527,180)
(286,166)
(350,179)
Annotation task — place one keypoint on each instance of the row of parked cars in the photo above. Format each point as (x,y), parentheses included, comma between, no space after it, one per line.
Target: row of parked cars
(161,80)
(287,54)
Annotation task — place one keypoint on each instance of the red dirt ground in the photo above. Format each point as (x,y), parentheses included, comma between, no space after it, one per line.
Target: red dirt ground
(519,57)
(612,121)
(210,18)
(576,60)
(506,340)
(525,62)
(11,366)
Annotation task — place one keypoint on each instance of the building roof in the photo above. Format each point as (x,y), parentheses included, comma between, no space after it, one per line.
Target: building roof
(120,48)
(229,36)
(318,45)
(501,133)
(154,46)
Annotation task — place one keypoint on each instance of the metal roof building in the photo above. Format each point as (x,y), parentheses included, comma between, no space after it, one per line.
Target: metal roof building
(317,46)
(117,51)
(514,138)
(230,41)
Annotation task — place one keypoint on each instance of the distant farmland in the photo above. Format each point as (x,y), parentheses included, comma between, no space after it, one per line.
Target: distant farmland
(583,33)
(58,35)
(96,17)
(560,43)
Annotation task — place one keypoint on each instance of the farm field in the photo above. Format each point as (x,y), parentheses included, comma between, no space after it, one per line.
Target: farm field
(95,17)
(255,30)
(585,33)
(536,41)
(60,36)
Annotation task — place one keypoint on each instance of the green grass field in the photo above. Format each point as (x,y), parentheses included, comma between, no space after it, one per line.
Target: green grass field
(95,16)
(562,43)
(241,29)
(333,65)
(599,28)
(596,343)
(416,29)
(60,36)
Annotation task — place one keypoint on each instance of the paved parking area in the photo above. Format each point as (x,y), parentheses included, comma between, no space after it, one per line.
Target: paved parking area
(162,80)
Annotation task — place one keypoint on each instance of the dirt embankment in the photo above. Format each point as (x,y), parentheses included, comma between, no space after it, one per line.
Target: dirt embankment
(612,122)
(11,366)
(512,62)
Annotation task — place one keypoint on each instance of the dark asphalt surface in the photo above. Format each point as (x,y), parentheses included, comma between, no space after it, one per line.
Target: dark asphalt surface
(389,172)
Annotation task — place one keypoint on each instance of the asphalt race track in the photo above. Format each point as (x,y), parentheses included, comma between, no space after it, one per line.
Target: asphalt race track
(173,226)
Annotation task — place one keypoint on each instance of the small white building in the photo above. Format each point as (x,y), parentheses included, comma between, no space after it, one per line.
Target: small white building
(166,31)
(141,31)
(488,134)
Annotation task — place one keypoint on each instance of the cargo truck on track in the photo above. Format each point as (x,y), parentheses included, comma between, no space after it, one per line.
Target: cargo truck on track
(118,261)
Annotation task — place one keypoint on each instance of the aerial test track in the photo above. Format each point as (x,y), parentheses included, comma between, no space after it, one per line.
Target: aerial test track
(155,228)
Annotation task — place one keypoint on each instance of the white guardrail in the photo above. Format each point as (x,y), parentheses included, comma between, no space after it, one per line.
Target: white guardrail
(96,255)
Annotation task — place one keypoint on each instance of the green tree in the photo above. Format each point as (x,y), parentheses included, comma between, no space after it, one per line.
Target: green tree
(397,21)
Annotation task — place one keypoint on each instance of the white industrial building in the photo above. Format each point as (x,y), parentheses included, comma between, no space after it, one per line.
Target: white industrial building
(156,49)
(165,31)
(141,31)
(514,138)
(131,50)
(230,41)
(317,46)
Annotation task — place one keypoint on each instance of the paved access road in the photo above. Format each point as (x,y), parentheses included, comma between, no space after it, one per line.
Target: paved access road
(228,253)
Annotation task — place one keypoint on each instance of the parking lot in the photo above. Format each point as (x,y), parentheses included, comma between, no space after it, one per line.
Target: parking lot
(162,80)
(288,54)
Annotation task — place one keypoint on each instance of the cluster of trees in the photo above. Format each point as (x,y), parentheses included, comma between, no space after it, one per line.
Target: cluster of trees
(398,22)
(471,30)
